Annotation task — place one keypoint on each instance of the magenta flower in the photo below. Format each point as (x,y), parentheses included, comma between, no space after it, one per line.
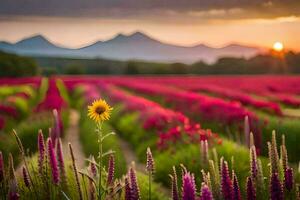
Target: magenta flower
(289,178)
(188,187)
(226,184)
(111,170)
(236,188)
(128,195)
(205,193)
(41,148)
(53,162)
(251,193)
(135,191)
(276,190)
(25,177)
(60,158)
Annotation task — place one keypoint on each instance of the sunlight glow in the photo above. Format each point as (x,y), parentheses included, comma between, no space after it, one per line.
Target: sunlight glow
(278,46)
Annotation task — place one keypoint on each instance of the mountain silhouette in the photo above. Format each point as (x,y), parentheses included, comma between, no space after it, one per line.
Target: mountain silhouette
(136,46)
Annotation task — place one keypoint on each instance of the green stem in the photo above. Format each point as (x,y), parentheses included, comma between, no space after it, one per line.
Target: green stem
(100,158)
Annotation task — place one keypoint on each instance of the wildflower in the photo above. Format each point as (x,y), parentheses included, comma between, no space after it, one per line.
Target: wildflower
(99,111)
(204,152)
(25,177)
(251,193)
(188,187)
(93,168)
(253,162)
(135,191)
(53,162)
(150,162)
(226,184)
(111,170)
(205,193)
(236,189)
(175,193)
(276,191)
(61,164)
(288,178)
(127,189)
(41,147)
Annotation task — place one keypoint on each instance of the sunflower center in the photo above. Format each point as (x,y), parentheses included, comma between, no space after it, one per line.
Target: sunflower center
(99,110)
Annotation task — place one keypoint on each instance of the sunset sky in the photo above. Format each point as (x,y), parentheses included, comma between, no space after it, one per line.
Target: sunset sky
(74,23)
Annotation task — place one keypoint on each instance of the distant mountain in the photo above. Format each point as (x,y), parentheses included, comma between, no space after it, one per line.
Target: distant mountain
(137,46)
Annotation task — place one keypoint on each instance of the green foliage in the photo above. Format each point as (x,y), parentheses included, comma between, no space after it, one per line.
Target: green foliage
(12,65)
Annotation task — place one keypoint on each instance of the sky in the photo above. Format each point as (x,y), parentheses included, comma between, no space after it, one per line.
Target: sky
(75,23)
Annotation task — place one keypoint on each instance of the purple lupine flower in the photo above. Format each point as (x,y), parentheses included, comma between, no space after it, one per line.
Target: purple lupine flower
(53,162)
(188,187)
(150,162)
(127,189)
(236,189)
(25,177)
(205,193)
(226,184)
(175,193)
(13,191)
(41,147)
(276,190)
(251,193)
(93,167)
(111,169)
(135,191)
(61,163)
(253,162)
(1,167)
(289,178)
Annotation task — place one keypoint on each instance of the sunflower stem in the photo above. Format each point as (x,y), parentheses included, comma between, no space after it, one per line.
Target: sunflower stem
(100,158)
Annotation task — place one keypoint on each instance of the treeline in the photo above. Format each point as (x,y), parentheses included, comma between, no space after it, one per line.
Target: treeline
(260,64)
(12,65)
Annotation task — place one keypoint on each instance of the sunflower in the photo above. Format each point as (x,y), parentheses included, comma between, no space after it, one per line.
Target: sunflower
(99,110)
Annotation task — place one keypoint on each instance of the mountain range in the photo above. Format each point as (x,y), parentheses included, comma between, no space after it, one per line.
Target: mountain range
(136,46)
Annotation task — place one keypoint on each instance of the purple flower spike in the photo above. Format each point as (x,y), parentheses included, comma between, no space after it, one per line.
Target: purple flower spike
(253,162)
(93,167)
(289,179)
(61,163)
(135,191)
(53,162)
(276,190)
(174,185)
(1,167)
(236,188)
(26,177)
(205,193)
(41,147)
(127,189)
(251,193)
(226,184)
(188,187)
(150,162)
(111,170)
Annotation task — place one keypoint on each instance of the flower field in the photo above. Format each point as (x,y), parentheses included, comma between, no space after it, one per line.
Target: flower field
(152,137)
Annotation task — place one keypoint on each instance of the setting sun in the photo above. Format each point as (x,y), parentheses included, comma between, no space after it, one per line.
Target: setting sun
(278,46)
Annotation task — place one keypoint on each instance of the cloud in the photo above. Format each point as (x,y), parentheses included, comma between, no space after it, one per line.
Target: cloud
(161,10)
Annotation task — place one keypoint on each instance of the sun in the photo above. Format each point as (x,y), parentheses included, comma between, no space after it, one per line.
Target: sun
(278,46)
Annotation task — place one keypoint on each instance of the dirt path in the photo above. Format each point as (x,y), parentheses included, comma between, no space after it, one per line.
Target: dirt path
(72,136)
